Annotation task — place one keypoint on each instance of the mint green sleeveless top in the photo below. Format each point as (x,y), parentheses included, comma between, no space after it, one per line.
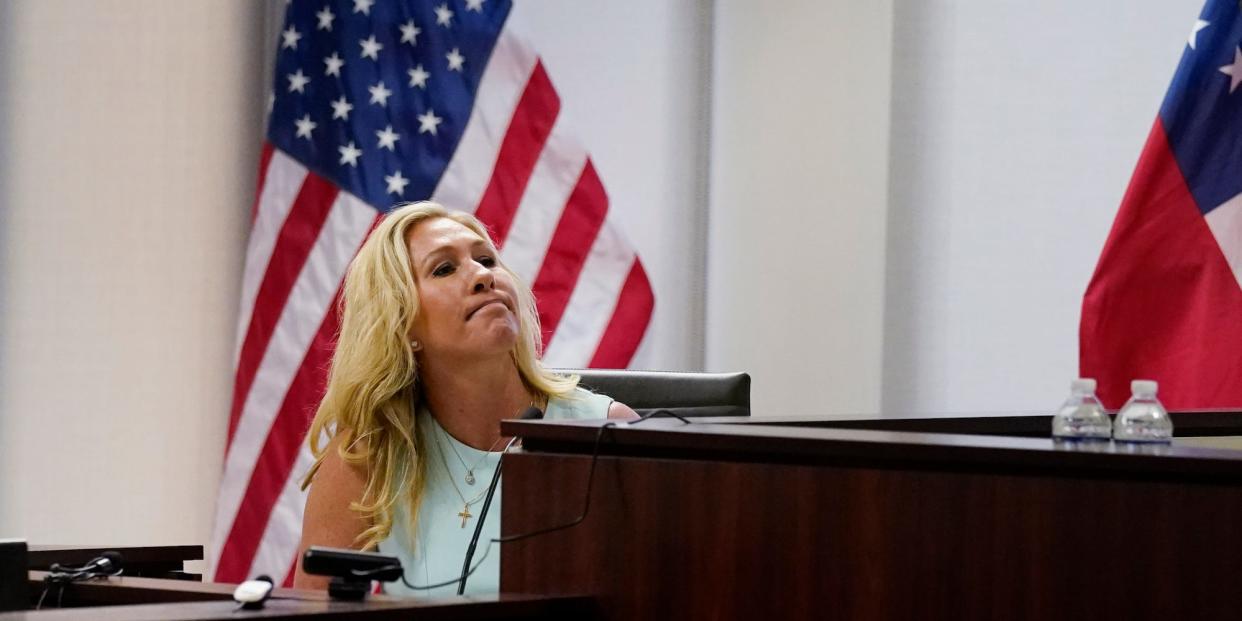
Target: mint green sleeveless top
(443,532)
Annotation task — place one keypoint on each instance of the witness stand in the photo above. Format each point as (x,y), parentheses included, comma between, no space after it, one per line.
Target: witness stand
(797,518)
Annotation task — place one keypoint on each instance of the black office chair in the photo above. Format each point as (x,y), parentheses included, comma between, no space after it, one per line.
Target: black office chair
(686,394)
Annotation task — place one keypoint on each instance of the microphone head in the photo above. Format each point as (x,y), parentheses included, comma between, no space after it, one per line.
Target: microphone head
(531,413)
(110,561)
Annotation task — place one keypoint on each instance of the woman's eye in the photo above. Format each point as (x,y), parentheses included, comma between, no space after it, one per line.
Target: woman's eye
(444,270)
(487,261)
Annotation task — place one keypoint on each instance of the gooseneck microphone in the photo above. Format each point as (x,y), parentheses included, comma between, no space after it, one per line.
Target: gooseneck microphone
(108,563)
(531,413)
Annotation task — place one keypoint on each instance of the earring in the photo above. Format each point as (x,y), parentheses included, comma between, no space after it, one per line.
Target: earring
(415,345)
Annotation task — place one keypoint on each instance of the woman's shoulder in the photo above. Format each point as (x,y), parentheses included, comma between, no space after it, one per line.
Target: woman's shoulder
(580,403)
(584,404)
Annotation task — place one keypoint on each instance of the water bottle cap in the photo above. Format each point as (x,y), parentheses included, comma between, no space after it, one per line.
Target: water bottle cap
(1082,384)
(1143,388)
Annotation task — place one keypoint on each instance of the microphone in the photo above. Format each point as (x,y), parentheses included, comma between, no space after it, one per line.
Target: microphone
(105,565)
(109,562)
(530,413)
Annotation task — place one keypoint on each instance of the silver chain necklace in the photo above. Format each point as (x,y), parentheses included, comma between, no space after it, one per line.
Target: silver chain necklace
(469,469)
(465,513)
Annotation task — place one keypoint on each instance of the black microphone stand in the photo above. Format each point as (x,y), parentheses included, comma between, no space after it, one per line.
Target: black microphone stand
(531,413)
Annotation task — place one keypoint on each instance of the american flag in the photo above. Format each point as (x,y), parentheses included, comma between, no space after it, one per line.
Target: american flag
(1165,302)
(377,103)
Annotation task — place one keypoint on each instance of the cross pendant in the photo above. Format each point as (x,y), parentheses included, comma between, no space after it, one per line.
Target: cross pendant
(465,515)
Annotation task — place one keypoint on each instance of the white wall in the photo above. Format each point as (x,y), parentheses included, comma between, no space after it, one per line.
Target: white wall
(1015,128)
(798,194)
(129,149)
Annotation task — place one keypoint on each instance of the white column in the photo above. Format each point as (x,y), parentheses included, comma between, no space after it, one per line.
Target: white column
(131,132)
(798,201)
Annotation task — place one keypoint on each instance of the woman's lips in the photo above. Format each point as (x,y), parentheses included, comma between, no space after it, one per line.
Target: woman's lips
(486,305)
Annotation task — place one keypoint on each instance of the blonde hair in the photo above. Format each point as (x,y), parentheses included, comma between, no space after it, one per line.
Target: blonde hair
(373,383)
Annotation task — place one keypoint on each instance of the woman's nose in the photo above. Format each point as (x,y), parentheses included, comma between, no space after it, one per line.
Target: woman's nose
(484,279)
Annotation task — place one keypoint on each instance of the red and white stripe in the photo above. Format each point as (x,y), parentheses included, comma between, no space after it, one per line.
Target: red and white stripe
(515,168)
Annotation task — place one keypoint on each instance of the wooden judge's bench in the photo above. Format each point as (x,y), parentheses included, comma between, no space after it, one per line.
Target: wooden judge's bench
(795,518)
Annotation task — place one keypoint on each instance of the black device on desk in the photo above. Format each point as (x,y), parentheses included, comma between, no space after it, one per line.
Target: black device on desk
(352,571)
(14,588)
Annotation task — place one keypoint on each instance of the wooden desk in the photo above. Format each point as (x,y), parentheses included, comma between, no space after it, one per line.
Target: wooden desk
(751,519)
(141,599)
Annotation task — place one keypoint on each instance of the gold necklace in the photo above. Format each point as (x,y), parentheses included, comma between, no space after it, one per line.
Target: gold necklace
(464,514)
(470,478)
(470,469)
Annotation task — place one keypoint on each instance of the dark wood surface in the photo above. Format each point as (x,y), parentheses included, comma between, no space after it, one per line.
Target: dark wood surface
(150,598)
(818,445)
(1196,423)
(130,589)
(759,521)
(148,561)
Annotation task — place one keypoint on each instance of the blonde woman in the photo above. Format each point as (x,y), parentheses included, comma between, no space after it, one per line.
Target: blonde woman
(439,342)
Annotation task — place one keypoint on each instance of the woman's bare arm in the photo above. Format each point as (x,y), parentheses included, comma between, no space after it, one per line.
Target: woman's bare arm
(328,520)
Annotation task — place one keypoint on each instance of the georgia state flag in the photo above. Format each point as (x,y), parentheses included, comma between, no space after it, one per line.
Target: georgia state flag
(1165,302)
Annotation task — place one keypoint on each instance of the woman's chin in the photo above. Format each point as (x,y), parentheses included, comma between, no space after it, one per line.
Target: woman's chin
(499,337)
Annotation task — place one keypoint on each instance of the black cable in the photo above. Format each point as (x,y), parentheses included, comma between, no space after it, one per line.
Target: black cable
(478,527)
(586,504)
(477,565)
(415,587)
(654,413)
(63,575)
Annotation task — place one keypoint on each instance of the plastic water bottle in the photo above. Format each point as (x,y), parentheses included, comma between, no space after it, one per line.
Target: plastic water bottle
(1081,417)
(1142,418)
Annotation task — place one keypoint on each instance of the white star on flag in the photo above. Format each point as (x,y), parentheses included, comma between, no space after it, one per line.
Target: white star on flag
(305,126)
(455,60)
(427,122)
(341,108)
(444,15)
(474,5)
(1234,71)
(379,93)
(418,76)
(325,19)
(349,154)
(363,6)
(388,138)
(298,82)
(334,64)
(396,183)
(410,32)
(290,38)
(371,48)
(1194,32)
